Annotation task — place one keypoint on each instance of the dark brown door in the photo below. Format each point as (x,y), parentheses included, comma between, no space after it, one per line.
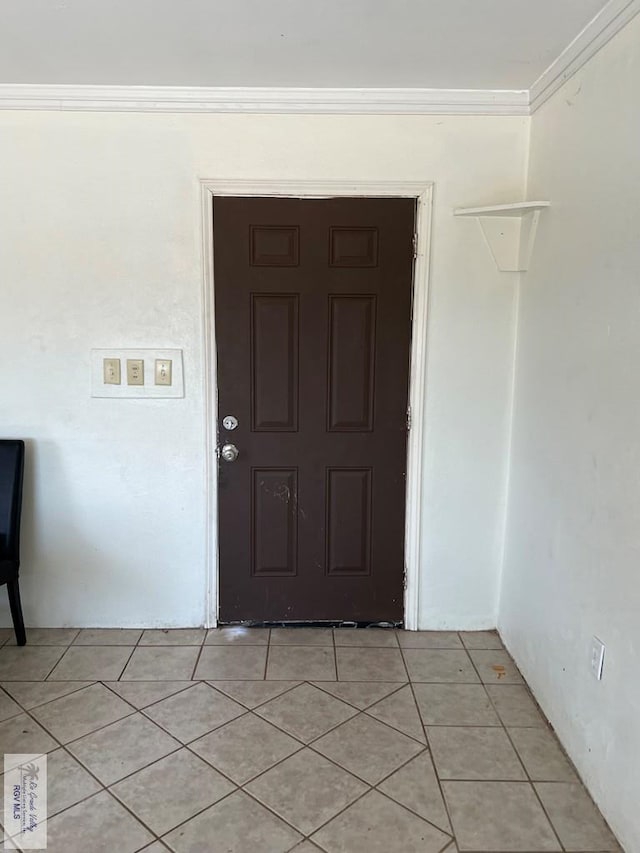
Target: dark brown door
(313,319)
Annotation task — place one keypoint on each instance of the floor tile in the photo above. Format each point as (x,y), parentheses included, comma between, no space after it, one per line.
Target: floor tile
(245,747)
(312,663)
(361,694)
(158,847)
(481,639)
(496,667)
(306,790)
(67,782)
(306,712)
(161,663)
(8,708)
(498,816)
(82,712)
(374,824)
(99,824)
(91,663)
(575,818)
(232,662)
(376,637)
(455,705)
(416,786)
(194,712)
(108,637)
(253,693)
(306,847)
(515,705)
(28,663)
(474,753)
(367,748)
(238,636)
(370,665)
(302,636)
(172,790)
(30,694)
(7,842)
(21,734)
(143,693)
(6,634)
(429,640)
(48,636)
(542,755)
(239,825)
(122,748)
(440,665)
(173,637)
(399,710)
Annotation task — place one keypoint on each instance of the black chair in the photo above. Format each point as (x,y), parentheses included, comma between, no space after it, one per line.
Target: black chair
(11,476)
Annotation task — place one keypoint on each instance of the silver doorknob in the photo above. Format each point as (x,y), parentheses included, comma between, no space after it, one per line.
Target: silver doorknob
(229,452)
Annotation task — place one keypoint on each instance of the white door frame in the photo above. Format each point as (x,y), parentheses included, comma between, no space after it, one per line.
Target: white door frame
(422,192)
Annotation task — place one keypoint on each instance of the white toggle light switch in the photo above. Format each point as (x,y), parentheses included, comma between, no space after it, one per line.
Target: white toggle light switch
(111,371)
(135,371)
(163,371)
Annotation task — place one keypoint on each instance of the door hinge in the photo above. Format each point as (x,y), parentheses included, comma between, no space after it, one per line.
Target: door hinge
(408,418)
(414,243)
(404,579)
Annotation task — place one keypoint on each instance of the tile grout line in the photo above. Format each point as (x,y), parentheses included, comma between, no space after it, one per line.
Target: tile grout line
(435,768)
(513,747)
(187,686)
(266,657)
(322,825)
(135,646)
(260,704)
(199,655)
(399,686)
(533,788)
(335,652)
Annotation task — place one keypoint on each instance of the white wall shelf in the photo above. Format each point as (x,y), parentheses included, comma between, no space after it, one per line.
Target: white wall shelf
(509,230)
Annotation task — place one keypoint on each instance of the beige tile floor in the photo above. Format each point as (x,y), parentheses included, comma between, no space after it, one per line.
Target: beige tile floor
(266,741)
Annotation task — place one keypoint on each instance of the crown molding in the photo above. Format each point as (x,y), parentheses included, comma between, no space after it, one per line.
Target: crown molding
(346,101)
(601,29)
(264,100)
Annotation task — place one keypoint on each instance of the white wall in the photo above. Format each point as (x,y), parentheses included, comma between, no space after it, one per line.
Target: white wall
(100,247)
(572,565)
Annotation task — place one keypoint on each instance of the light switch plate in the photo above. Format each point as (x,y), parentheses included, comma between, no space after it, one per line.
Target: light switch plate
(111,371)
(163,371)
(148,358)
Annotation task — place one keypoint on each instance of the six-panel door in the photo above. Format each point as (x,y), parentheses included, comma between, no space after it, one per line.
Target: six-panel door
(313,318)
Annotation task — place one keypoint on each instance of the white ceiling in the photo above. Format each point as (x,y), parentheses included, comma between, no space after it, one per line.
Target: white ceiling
(436,44)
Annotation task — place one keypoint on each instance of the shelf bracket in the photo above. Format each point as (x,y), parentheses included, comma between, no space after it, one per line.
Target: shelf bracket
(509,231)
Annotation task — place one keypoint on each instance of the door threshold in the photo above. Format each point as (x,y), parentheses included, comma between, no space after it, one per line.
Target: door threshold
(317,623)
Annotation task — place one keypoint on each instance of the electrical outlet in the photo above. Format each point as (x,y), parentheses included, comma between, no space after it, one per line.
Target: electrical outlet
(597,657)
(135,371)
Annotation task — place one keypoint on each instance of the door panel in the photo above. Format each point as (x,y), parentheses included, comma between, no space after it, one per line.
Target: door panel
(274,528)
(274,362)
(352,348)
(313,317)
(349,521)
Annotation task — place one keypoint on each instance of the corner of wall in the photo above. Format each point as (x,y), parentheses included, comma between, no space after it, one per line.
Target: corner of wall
(511,401)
